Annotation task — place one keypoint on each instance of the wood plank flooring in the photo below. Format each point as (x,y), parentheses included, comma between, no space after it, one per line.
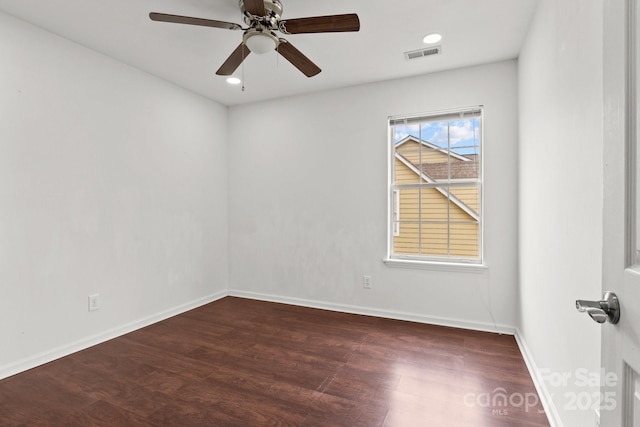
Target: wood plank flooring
(239,362)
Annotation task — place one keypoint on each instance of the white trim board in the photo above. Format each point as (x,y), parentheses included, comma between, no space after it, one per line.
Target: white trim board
(65,350)
(543,392)
(387,314)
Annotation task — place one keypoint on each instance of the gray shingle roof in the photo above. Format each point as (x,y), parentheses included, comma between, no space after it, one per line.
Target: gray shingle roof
(459,169)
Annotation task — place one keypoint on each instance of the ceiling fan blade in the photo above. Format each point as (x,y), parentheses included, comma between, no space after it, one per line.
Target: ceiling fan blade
(321,24)
(163,17)
(297,59)
(255,7)
(234,60)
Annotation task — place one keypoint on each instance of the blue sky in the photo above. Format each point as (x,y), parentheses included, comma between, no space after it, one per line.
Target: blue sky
(460,133)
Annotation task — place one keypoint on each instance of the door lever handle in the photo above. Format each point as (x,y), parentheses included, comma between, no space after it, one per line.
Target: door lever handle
(582,305)
(607,309)
(597,314)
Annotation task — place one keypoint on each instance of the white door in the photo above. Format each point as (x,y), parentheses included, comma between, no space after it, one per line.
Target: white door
(621,246)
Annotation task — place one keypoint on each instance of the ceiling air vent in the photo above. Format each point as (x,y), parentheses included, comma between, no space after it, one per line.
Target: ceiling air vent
(421,53)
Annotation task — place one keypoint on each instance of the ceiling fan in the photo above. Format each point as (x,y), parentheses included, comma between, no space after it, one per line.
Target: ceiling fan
(263,17)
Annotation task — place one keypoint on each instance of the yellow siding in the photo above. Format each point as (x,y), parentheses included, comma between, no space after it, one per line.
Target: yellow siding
(432,208)
(412,152)
(429,204)
(467,195)
(428,155)
(464,239)
(404,175)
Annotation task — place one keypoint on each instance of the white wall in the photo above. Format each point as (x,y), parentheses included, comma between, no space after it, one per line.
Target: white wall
(308,199)
(111,182)
(560,230)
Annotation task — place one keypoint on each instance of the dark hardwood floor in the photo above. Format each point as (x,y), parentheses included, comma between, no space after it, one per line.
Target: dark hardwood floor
(238,362)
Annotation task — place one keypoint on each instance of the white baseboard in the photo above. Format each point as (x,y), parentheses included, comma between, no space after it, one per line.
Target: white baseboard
(65,350)
(388,314)
(544,394)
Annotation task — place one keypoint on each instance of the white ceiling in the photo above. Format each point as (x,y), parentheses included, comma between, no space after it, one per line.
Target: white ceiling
(474,32)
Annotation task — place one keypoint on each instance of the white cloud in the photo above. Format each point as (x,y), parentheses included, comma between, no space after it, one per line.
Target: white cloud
(402,131)
(458,131)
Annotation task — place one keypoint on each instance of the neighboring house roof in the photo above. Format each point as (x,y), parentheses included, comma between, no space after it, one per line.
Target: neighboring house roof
(459,169)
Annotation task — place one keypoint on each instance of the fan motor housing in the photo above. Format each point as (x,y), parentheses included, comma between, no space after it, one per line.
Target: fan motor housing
(273,9)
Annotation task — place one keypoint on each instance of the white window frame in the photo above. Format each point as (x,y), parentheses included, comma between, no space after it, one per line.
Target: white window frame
(432,261)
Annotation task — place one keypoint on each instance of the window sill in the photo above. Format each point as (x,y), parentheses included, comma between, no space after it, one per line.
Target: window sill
(436,266)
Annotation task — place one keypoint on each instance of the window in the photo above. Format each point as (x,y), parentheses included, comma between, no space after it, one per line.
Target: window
(435,188)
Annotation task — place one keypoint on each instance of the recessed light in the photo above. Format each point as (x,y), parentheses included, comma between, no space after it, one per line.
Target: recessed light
(432,38)
(234,81)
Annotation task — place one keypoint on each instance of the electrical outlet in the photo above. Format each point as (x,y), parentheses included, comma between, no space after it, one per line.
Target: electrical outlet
(94,302)
(366,282)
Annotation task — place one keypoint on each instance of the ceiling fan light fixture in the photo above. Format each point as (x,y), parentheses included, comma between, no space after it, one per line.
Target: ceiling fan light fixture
(262,18)
(432,38)
(234,81)
(260,42)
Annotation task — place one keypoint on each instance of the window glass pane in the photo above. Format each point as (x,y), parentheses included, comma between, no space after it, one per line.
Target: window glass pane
(464,238)
(468,199)
(436,134)
(434,204)
(434,236)
(407,241)
(409,204)
(405,169)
